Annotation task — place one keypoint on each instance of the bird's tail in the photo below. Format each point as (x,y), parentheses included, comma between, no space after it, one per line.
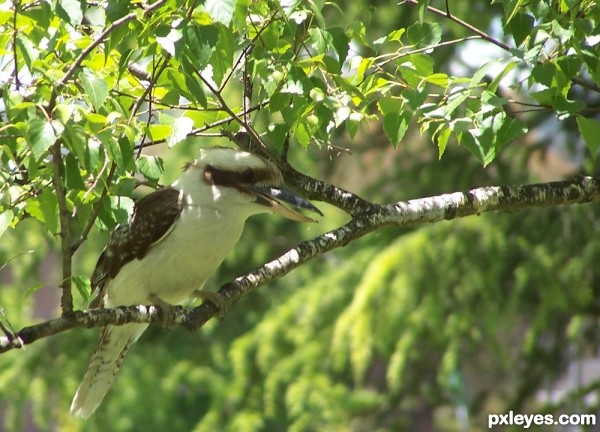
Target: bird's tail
(103,367)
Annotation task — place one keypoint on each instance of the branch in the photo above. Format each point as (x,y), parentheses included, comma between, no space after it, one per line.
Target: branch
(434,209)
(66,300)
(312,188)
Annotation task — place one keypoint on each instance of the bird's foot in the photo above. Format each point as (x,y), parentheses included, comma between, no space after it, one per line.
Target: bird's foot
(167,310)
(215,298)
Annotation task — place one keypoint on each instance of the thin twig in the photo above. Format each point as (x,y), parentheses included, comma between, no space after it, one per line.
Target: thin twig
(590,86)
(462,23)
(16,5)
(398,55)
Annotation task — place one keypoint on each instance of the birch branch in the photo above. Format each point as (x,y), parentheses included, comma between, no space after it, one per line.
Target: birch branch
(580,190)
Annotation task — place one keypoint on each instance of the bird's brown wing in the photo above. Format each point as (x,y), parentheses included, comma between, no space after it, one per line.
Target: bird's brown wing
(153,218)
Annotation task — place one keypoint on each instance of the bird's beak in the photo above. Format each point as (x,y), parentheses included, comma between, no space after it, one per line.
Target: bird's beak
(274,197)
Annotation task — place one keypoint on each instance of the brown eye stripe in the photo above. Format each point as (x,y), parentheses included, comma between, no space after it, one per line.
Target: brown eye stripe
(222,177)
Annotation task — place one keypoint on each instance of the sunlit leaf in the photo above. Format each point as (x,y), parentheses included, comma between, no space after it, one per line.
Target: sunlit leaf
(6,218)
(95,88)
(181,128)
(220,10)
(41,136)
(70,10)
(151,167)
(590,132)
(395,119)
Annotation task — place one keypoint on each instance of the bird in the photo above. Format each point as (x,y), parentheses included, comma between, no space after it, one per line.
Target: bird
(172,243)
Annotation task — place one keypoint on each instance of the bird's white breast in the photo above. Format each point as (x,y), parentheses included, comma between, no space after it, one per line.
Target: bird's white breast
(181,262)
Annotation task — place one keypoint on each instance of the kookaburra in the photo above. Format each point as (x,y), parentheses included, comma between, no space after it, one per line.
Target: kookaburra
(174,240)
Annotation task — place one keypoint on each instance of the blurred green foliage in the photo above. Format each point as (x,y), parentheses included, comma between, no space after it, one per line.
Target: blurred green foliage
(400,328)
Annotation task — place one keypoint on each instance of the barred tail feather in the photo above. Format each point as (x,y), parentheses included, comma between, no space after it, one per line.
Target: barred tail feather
(103,367)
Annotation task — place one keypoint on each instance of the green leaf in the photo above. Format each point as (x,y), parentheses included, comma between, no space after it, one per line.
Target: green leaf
(472,145)
(510,130)
(521,27)
(544,73)
(423,5)
(198,44)
(341,43)
(6,218)
(28,50)
(439,79)
(159,132)
(454,101)
(70,10)
(395,119)
(114,209)
(126,145)
(302,133)
(82,284)
(96,122)
(75,138)
(442,140)
(569,65)
(220,10)
(277,134)
(414,98)
(493,86)
(424,34)
(564,34)
(320,40)
(73,180)
(112,147)
(116,9)
(222,61)
(196,92)
(590,131)
(124,186)
(40,136)
(48,206)
(487,97)
(422,62)
(481,73)
(352,124)
(95,88)
(240,15)
(168,42)
(151,167)
(181,128)
(512,7)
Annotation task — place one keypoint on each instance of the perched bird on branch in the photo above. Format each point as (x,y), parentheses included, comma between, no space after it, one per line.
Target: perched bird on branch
(173,242)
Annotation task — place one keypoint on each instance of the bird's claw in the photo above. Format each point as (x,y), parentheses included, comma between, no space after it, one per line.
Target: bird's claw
(215,298)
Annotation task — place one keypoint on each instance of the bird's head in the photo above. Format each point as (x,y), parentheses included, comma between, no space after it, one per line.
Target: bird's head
(228,177)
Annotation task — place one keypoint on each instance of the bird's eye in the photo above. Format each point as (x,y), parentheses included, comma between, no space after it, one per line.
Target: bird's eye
(248,176)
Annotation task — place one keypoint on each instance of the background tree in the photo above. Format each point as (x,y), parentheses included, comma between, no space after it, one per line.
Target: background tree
(428,327)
